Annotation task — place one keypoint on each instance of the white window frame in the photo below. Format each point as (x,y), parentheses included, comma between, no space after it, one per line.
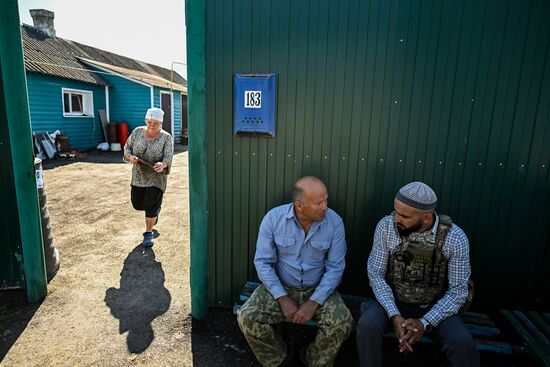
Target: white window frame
(87,102)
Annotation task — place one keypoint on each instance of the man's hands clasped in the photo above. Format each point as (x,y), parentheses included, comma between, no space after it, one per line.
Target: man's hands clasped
(297,314)
(407,331)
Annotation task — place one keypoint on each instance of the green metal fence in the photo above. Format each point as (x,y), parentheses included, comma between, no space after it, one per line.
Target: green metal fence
(372,95)
(11,272)
(21,243)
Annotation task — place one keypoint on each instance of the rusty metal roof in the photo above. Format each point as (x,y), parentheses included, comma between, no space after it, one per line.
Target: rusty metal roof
(138,75)
(61,57)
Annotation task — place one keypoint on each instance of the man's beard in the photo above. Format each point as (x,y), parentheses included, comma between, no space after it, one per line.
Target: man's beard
(407,231)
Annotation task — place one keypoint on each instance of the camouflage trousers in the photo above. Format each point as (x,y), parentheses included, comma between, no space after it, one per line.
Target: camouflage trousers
(261,310)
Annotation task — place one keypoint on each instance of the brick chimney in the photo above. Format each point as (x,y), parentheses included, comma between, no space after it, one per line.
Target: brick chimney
(43,20)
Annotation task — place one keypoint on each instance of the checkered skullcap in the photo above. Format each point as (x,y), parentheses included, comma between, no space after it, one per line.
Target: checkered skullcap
(418,195)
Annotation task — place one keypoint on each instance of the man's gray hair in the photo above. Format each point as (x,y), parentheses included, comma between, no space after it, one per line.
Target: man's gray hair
(302,184)
(297,193)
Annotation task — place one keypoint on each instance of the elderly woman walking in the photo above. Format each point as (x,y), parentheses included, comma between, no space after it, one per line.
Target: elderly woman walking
(150,150)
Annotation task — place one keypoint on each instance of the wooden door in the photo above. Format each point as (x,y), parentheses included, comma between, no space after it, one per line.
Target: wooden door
(166,106)
(184,123)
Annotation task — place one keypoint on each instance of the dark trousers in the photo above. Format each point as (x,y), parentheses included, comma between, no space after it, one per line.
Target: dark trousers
(148,199)
(451,335)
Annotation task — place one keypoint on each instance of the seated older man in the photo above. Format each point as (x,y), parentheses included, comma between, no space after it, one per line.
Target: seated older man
(300,258)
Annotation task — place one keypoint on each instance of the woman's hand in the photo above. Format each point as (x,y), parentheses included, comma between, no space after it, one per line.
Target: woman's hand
(132,159)
(160,166)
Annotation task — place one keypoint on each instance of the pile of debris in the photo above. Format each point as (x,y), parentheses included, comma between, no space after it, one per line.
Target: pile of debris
(47,146)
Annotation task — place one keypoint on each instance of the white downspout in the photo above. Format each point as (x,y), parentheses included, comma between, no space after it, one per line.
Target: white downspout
(107,103)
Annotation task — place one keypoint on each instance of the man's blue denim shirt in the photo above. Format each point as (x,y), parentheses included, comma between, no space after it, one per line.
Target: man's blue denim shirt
(286,256)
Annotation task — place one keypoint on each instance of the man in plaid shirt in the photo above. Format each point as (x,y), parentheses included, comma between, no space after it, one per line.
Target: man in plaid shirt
(416,290)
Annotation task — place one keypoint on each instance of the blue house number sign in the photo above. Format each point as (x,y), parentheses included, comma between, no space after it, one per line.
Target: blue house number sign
(254,104)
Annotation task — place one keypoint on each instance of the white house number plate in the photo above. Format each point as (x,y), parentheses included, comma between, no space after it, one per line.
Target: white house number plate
(252,99)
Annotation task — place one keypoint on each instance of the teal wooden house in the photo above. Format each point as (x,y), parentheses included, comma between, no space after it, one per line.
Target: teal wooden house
(69,83)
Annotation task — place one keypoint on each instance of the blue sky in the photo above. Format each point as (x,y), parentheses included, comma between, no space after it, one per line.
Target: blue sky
(150,31)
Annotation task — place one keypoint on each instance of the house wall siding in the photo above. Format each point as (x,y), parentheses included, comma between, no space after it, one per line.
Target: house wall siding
(177,116)
(46,110)
(128,100)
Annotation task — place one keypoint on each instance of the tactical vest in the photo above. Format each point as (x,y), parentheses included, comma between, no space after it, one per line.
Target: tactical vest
(417,269)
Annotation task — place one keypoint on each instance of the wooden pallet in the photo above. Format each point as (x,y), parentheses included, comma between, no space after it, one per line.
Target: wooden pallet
(480,325)
(534,329)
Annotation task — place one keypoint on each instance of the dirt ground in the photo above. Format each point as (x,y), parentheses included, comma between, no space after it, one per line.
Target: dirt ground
(112,303)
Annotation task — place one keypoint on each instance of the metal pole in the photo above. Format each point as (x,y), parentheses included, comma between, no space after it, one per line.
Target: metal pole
(15,100)
(172,72)
(195,15)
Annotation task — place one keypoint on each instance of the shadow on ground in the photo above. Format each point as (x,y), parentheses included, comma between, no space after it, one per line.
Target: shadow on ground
(15,314)
(141,298)
(218,341)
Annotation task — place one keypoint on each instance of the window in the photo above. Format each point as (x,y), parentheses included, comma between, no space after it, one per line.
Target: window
(78,103)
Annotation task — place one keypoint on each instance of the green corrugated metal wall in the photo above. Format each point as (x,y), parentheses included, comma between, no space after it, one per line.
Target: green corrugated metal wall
(374,94)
